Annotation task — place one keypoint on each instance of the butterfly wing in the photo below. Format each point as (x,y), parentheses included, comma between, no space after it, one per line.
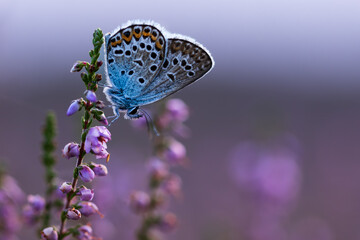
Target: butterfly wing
(134,55)
(186,61)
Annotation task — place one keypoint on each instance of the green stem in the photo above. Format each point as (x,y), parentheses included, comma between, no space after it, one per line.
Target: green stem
(70,195)
(49,162)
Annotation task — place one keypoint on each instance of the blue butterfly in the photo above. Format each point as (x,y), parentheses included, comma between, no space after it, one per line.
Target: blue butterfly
(145,63)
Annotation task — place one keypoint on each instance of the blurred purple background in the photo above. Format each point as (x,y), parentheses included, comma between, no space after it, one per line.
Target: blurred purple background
(275,125)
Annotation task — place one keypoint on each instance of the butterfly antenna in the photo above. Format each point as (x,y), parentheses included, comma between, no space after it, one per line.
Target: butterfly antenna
(149,123)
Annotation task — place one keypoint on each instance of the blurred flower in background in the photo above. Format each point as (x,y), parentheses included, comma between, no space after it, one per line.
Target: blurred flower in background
(269,172)
(11,198)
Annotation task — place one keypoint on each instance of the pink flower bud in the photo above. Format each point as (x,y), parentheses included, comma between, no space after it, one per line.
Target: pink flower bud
(100,170)
(71,150)
(74,107)
(177,109)
(65,187)
(91,96)
(73,214)
(168,222)
(86,194)
(78,66)
(88,208)
(172,185)
(49,233)
(103,119)
(85,233)
(139,201)
(158,169)
(36,202)
(86,174)
(175,152)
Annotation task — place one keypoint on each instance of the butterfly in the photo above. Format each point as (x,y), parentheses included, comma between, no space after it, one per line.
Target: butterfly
(145,63)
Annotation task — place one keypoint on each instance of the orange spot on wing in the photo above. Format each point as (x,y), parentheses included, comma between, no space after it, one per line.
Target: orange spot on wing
(153,38)
(158,45)
(127,39)
(137,35)
(146,34)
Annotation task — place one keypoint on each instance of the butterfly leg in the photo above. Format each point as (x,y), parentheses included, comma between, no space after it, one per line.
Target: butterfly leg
(116,116)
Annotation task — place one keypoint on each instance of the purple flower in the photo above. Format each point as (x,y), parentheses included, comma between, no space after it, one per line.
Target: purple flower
(158,169)
(78,66)
(36,202)
(175,152)
(177,109)
(96,140)
(139,201)
(172,185)
(100,170)
(85,194)
(71,150)
(49,233)
(74,107)
(168,222)
(103,119)
(65,187)
(30,216)
(73,214)
(86,174)
(88,208)
(91,96)
(85,233)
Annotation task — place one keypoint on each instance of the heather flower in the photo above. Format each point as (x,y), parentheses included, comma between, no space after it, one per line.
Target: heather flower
(139,201)
(88,208)
(99,104)
(158,170)
(172,185)
(85,233)
(78,66)
(71,150)
(73,214)
(49,233)
(103,119)
(86,174)
(65,187)
(177,109)
(100,170)
(30,216)
(36,202)
(175,152)
(91,96)
(168,222)
(74,107)
(96,140)
(85,194)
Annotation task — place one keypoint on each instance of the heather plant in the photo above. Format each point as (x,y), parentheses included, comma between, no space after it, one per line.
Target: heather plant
(63,210)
